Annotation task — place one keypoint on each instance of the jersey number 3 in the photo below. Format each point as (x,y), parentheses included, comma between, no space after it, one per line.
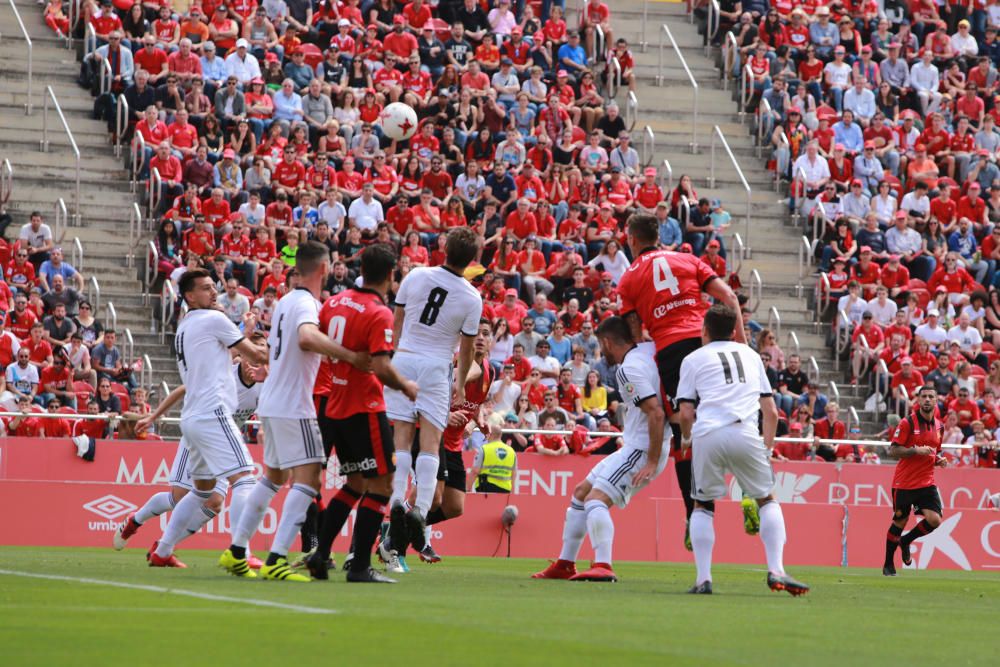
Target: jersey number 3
(663,277)
(432,308)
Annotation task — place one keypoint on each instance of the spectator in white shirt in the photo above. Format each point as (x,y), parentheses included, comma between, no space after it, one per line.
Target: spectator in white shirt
(882,308)
(930,331)
(366,212)
(242,64)
(234,304)
(925,80)
(504,391)
(964,45)
(861,101)
(546,364)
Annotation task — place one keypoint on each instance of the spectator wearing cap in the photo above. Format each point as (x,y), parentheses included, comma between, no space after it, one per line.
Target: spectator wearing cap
(512,310)
(925,80)
(906,243)
(867,271)
(905,384)
(855,203)
(227,176)
(868,169)
(648,194)
(242,64)
(223,30)
(214,70)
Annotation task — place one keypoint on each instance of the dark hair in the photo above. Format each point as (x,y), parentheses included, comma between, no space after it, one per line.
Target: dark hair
(377,263)
(461,247)
(644,228)
(927,387)
(615,328)
(310,257)
(186,284)
(720,322)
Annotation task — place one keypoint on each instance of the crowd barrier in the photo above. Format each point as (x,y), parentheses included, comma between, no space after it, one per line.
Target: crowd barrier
(836,514)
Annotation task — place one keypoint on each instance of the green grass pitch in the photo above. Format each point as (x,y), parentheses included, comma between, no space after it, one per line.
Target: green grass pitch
(478,611)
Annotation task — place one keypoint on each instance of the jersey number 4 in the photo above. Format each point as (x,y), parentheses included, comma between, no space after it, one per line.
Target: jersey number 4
(435,300)
(663,277)
(179,349)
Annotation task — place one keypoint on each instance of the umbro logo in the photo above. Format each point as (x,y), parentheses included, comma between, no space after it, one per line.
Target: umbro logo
(110,507)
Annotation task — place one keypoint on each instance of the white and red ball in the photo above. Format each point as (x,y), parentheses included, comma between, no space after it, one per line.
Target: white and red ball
(399,121)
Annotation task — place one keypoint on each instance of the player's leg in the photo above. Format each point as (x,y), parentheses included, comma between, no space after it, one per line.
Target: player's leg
(702,530)
(188,511)
(305,480)
(158,503)
(900,515)
(929,503)
(426,471)
(601,530)
(371,511)
(574,530)
(402,436)
(708,484)
(449,500)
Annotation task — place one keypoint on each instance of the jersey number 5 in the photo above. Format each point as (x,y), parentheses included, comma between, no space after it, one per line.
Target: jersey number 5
(663,277)
(432,308)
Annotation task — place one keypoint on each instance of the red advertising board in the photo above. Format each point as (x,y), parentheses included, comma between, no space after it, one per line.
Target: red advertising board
(80,504)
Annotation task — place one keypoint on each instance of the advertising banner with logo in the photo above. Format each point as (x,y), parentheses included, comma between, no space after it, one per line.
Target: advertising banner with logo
(82,503)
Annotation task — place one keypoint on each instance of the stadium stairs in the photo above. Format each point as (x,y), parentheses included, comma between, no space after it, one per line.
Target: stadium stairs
(773,241)
(42,178)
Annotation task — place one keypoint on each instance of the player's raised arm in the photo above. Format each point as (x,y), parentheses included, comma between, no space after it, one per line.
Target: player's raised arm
(146,421)
(723,293)
(770,413)
(313,340)
(255,353)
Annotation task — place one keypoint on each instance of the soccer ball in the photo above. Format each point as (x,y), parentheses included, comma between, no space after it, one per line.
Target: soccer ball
(399,121)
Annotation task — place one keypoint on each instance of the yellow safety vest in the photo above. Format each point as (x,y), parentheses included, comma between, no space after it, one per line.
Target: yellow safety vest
(498,465)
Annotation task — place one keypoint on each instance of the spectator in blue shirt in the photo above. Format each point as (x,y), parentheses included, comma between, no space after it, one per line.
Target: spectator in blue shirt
(670,230)
(847,132)
(502,188)
(963,242)
(543,318)
(213,70)
(572,56)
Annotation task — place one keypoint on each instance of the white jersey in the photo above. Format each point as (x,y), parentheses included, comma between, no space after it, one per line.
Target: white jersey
(440,305)
(202,344)
(287,392)
(726,380)
(247,397)
(638,380)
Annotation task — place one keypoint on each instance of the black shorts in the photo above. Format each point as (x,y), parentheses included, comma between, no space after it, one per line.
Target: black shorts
(917,500)
(364,444)
(326,429)
(668,363)
(454,469)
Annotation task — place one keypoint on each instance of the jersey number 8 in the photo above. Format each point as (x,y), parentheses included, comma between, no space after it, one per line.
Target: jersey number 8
(435,299)
(663,277)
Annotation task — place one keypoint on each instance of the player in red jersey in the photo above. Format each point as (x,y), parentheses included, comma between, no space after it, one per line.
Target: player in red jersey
(917,445)
(662,291)
(356,424)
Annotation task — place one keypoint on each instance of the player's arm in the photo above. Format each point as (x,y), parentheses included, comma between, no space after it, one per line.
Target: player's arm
(311,339)
(255,353)
(477,465)
(466,351)
(398,314)
(390,377)
(655,421)
(901,452)
(146,421)
(723,293)
(769,412)
(634,325)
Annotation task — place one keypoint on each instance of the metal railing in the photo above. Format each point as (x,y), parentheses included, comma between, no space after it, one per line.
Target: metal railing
(50,95)
(138,155)
(154,191)
(866,349)
(164,389)
(151,269)
(89,41)
(648,144)
(614,77)
(94,294)
(59,220)
(852,416)
(666,174)
(764,112)
(729,50)
(901,401)
(783,140)
(122,118)
(717,135)
(774,322)
(111,317)
(712,21)
(660,80)
(805,249)
(746,91)
(107,76)
(814,367)
(27,40)
(631,110)
(129,346)
(684,212)
(843,337)
(737,250)
(756,287)
(76,254)
(73,15)
(146,374)
(797,191)
(792,342)
(168,304)
(597,44)
(643,43)
(134,232)
(822,294)
(881,369)
(834,391)
(6,181)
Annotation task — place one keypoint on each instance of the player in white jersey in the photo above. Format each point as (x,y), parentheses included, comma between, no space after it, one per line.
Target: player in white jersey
(248,379)
(621,475)
(293,447)
(437,310)
(202,343)
(727,382)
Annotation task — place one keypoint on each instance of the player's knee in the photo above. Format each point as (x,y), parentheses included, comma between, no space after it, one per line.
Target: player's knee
(356,483)
(176,493)
(707,505)
(933,519)
(581,491)
(381,485)
(214,503)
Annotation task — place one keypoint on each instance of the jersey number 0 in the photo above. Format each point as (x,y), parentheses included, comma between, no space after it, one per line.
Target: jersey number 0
(435,300)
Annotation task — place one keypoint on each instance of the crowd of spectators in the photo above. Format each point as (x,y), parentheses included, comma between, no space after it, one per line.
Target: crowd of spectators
(55,354)
(883,117)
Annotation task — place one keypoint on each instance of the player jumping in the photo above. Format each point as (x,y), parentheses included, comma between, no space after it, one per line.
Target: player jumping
(917,445)
(435,307)
(292,443)
(216,449)
(355,414)
(728,383)
(662,291)
(616,479)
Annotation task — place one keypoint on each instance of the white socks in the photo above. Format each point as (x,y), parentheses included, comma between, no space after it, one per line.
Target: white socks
(293,514)
(601,529)
(426,470)
(254,508)
(187,510)
(573,530)
(241,494)
(157,504)
(702,533)
(772,534)
(401,478)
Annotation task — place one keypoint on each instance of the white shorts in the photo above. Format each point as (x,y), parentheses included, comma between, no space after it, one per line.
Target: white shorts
(180,473)
(291,442)
(738,449)
(434,381)
(613,476)
(215,446)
